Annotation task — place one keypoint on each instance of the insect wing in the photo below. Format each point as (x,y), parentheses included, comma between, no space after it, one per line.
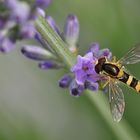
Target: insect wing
(116,99)
(132,56)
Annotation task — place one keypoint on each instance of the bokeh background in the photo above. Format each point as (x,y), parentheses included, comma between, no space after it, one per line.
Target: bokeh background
(33,107)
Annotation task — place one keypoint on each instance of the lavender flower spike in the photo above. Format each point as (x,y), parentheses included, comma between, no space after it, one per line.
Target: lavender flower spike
(71,30)
(36,53)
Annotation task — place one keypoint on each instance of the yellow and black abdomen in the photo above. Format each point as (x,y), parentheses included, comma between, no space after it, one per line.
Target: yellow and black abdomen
(115,72)
(130,81)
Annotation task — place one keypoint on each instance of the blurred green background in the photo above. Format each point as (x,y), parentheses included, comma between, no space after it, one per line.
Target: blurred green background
(33,107)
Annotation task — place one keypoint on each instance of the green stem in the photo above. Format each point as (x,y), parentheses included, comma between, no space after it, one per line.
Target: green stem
(121,130)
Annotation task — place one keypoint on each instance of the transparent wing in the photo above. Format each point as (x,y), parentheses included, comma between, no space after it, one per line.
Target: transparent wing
(132,56)
(116,99)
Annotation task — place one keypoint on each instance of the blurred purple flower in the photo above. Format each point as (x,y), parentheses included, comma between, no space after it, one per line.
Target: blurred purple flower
(16,20)
(42,3)
(27,30)
(11,4)
(20,13)
(6,45)
(40,12)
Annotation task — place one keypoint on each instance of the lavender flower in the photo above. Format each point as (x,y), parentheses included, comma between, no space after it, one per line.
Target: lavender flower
(36,53)
(84,69)
(65,81)
(75,89)
(20,13)
(71,31)
(27,30)
(95,49)
(6,45)
(52,23)
(83,74)
(42,3)
(50,64)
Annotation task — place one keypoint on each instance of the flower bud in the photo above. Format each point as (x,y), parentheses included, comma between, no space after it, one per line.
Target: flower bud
(75,89)
(6,45)
(36,53)
(71,30)
(40,12)
(52,23)
(50,64)
(65,81)
(91,85)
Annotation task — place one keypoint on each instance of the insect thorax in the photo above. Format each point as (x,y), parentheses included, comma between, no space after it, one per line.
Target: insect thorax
(107,68)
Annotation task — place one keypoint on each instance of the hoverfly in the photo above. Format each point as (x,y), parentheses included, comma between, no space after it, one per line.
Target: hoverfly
(115,72)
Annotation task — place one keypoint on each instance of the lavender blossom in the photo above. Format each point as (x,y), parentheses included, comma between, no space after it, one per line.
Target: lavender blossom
(27,30)
(42,3)
(95,49)
(11,4)
(75,89)
(20,13)
(6,45)
(36,53)
(40,12)
(65,81)
(84,69)
(16,21)
(52,23)
(91,85)
(71,30)
(50,64)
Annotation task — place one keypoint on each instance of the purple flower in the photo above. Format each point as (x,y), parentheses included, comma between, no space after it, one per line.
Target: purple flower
(6,45)
(75,89)
(3,20)
(40,12)
(65,81)
(36,53)
(52,23)
(27,30)
(50,64)
(20,13)
(84,69)
(91,85)
(11,4)
(95,49)
(42,3)
(71,30)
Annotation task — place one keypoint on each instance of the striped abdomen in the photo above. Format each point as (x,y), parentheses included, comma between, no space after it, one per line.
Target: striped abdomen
(130,81)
